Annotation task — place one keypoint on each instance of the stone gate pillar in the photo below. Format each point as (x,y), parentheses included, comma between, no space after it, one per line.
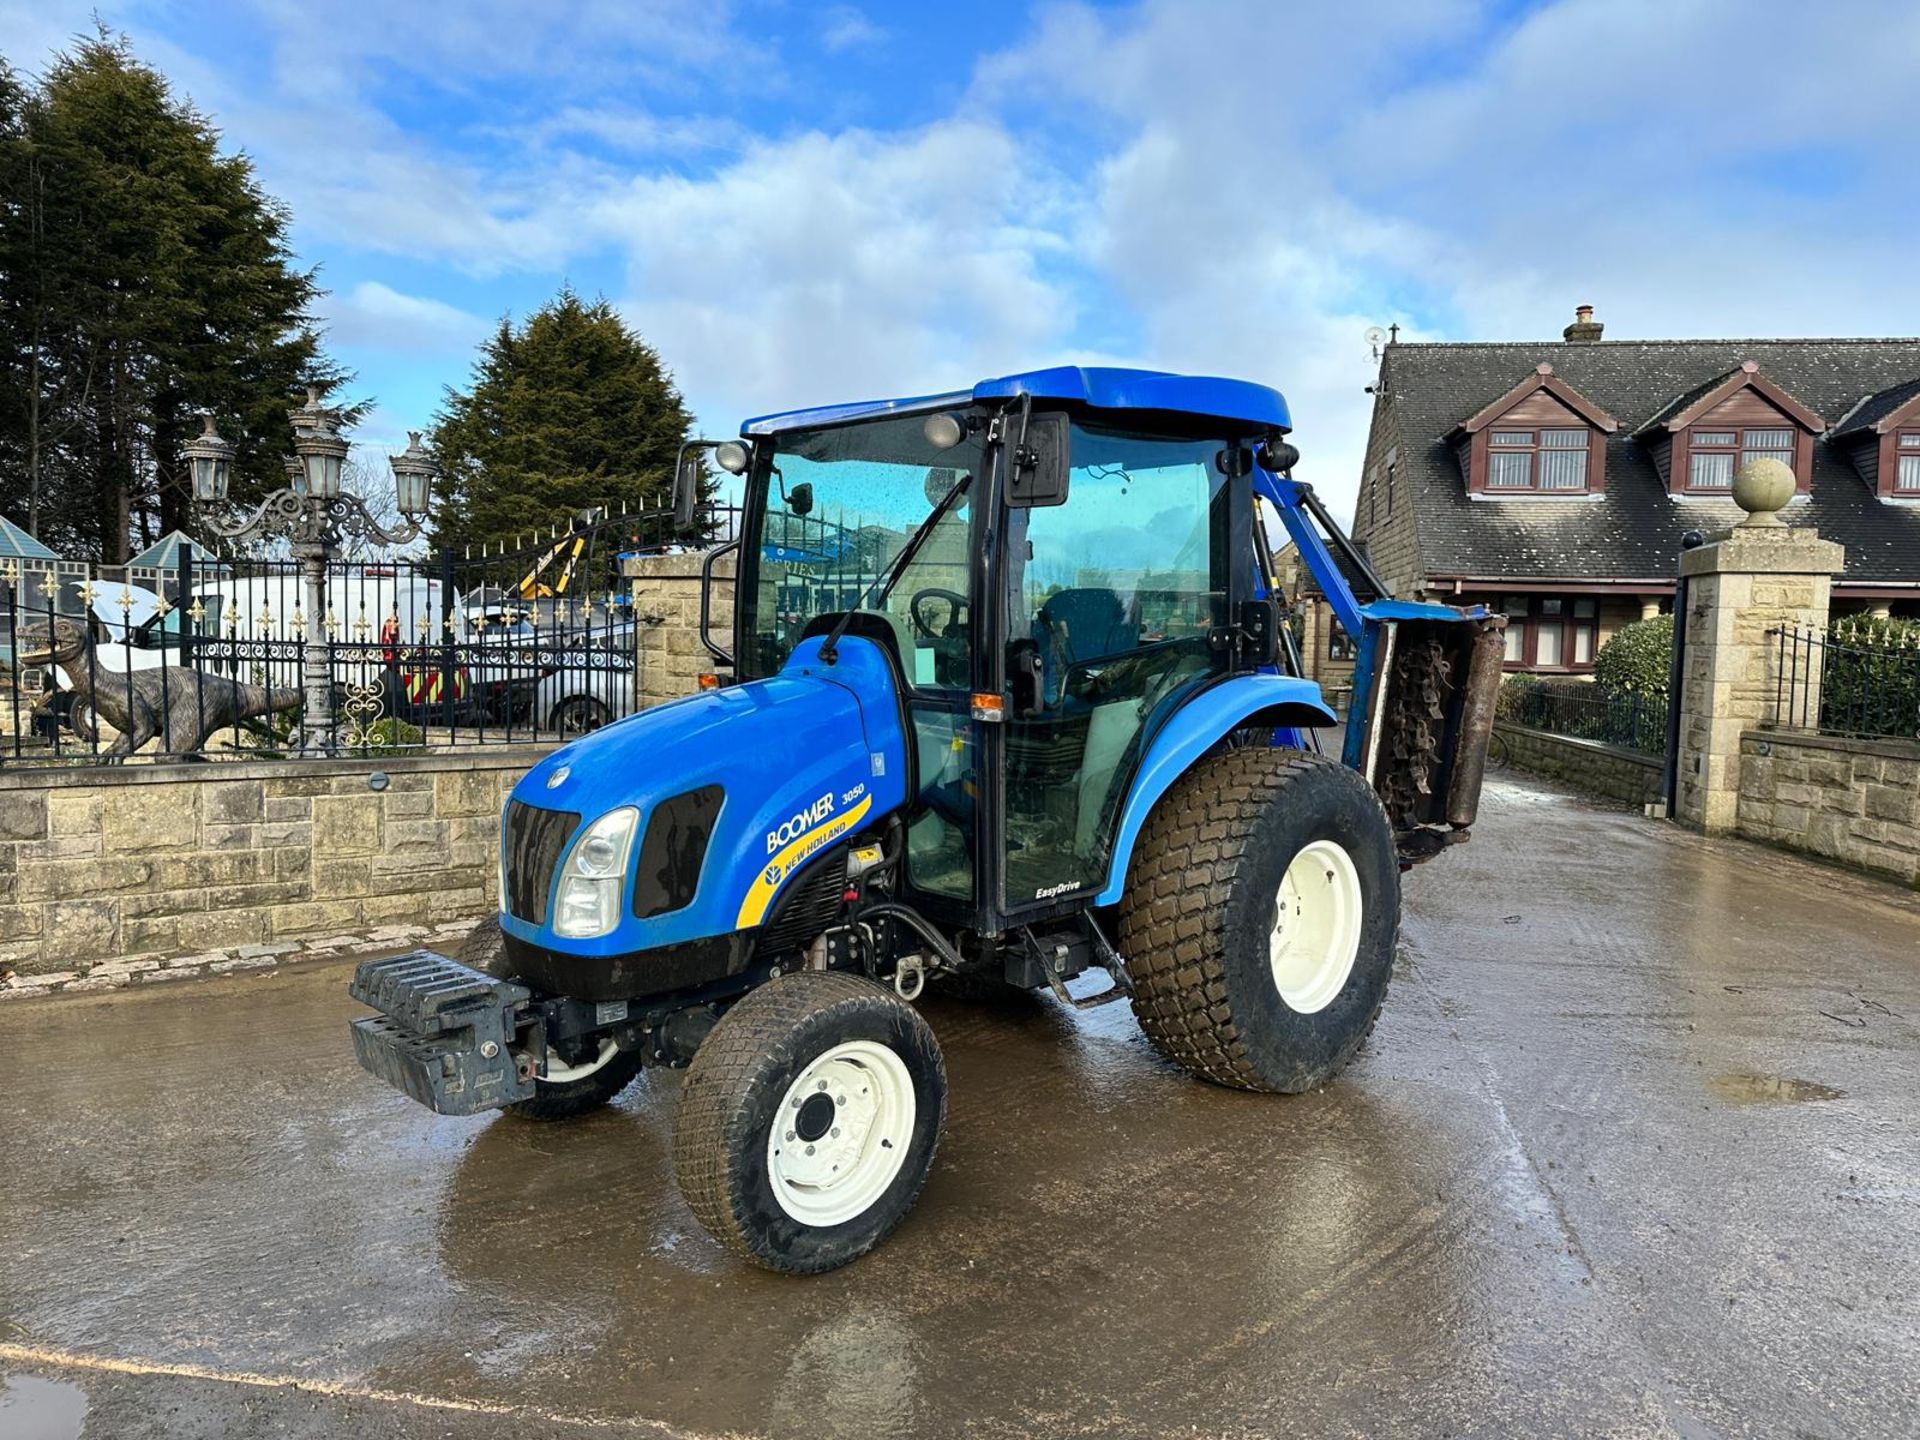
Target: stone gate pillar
(666,613)
(1758,576)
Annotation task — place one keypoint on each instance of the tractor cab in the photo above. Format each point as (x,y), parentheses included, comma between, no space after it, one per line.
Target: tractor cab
(1055,565)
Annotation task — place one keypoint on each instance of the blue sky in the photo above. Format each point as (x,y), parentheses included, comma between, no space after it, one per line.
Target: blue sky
(803,203)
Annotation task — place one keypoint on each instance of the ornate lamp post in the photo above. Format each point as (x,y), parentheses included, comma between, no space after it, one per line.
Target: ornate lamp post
(313,514)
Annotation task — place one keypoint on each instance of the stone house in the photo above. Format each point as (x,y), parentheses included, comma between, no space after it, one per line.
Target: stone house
(1326,649)
(1554,481)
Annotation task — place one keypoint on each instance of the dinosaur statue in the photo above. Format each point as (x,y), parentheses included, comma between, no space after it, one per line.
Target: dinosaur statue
(181,705)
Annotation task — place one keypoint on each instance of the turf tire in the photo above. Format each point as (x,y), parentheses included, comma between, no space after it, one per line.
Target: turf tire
(1200,905)
(733,1095)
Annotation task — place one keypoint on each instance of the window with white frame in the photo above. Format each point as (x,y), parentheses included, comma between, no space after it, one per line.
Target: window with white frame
(1546,460)
(1715,454)
(1906,475)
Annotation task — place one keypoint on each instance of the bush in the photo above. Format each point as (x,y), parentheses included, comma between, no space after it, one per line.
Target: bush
(1511,701)
(1636,661)
(1871,684)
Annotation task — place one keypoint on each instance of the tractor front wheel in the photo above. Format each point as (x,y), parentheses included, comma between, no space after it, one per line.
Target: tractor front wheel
(1260,918)
(809,1120)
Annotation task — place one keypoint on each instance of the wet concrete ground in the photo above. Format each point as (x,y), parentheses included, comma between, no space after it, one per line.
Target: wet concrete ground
(1634,1151)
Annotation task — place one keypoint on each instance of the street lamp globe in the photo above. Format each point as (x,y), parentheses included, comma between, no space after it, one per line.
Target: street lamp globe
(210,460)
(318,443)
(413,472)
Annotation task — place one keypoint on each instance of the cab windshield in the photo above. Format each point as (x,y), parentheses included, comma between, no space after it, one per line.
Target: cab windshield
(835,507)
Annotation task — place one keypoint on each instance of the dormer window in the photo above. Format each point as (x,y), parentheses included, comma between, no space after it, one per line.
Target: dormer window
(1541,438)
(1702,438)
(1538,459)
(1881,436)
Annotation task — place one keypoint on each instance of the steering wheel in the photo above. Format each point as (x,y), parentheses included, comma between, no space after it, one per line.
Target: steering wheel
(949,645)
(956,612)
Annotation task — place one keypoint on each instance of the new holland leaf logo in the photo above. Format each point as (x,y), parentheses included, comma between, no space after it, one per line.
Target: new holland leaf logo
(759,897)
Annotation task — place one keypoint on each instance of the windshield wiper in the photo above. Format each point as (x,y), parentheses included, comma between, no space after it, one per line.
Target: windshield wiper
(898,568)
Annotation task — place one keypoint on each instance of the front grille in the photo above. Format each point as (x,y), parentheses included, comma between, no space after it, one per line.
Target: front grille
(809,904)
(534,840)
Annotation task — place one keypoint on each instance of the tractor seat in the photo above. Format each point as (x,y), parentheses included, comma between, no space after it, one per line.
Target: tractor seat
(1085,623)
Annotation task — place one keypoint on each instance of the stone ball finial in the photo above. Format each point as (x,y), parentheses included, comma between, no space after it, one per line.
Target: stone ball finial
(1762,488)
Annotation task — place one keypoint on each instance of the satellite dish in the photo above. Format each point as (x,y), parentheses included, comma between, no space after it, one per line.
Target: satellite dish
(1376,336)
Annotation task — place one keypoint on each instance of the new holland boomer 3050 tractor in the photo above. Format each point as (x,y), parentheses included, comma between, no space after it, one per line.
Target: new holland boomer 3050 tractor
(1010,698)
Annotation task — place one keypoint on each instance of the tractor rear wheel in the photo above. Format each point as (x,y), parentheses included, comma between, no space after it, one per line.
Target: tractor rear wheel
(1260,917)
(809,1120)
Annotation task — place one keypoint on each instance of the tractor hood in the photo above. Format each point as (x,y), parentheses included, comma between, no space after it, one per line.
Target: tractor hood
(798,761)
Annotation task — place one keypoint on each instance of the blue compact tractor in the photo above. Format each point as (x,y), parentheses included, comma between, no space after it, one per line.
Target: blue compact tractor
(1009,696)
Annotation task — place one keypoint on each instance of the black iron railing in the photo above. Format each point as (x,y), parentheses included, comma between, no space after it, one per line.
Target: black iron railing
(500,644)
(1635,722)
(1848,680)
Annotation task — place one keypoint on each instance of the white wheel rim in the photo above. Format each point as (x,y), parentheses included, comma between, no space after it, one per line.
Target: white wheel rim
(1316,927)
(561,1073)
(827,1168)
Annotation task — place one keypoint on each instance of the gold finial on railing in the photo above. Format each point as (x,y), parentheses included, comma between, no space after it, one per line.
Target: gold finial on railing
(298,622)
(87,592)
(12,573)
(124,600)
(163,607)
(360,625)
(233,622)
(49,586)
(425,627)
(265,618)
(447,625)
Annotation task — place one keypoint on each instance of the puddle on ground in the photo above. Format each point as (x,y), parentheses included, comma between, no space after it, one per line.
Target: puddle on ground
(1742,1088)
(35,1409)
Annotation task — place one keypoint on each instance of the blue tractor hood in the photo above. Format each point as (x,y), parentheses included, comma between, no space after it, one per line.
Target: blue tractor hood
(803,759)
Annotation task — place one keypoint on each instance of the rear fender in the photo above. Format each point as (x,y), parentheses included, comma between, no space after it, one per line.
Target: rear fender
(1287,703)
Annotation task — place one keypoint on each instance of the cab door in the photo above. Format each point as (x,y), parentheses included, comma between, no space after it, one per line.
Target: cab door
(1112,597)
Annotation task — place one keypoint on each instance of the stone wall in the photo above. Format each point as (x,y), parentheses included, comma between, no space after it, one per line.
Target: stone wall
(1610,771)
(666,609)
(130,867)
(1855,801)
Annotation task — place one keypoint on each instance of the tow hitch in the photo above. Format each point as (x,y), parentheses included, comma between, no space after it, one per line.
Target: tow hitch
(444,1032)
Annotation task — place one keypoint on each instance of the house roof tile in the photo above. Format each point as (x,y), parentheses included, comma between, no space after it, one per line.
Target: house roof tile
(1632,530)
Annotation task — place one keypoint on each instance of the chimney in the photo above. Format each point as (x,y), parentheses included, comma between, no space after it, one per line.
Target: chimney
(1585,329)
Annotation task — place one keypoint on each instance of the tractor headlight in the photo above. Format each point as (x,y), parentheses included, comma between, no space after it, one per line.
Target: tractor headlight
(588,904)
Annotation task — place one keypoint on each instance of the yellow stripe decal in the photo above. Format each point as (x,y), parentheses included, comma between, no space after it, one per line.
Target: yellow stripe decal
(753,909)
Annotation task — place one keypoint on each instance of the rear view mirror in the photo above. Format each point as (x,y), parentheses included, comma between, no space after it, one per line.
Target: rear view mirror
(800,499)
(1037,469)
(686,486)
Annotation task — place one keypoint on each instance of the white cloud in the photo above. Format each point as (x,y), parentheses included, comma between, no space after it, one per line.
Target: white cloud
(1275,179)
(831,268)
(844,28)
(377,316)
(1208,185)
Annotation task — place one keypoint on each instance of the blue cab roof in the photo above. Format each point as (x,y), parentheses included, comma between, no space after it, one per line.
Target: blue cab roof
(1240,402)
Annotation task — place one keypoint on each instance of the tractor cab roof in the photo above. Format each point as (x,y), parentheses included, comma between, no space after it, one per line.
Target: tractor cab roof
(1240,404)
